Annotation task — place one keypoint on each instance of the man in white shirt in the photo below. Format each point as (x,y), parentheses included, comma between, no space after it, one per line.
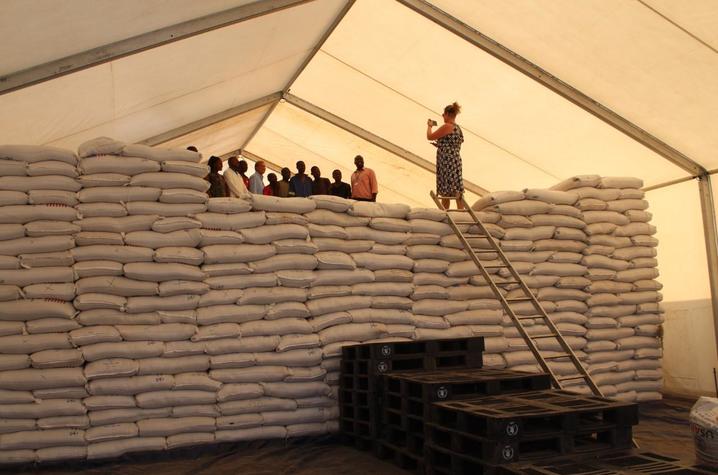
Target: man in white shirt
(256,181)
(234,180)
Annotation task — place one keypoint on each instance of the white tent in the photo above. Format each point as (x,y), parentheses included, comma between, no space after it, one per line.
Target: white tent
(549,89)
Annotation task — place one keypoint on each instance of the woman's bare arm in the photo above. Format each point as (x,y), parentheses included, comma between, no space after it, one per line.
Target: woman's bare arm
(442,131)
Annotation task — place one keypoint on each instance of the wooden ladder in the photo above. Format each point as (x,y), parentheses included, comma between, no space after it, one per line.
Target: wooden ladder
(527,296)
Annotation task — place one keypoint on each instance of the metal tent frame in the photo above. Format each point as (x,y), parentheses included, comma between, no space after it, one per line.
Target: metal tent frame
(103,54)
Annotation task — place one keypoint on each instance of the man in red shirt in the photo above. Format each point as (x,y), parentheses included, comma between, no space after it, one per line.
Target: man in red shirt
(364,185)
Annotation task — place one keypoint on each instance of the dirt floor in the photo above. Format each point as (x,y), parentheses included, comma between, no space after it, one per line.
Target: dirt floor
(663,429)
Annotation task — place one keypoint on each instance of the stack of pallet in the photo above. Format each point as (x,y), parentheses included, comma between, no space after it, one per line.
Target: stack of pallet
(430,407)
(468,435)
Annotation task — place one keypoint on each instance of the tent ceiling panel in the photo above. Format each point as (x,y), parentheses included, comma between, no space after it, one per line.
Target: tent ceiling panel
(73,26)
(205,122)
(43,113)
(383,111)
(274,44)
(509,112)
(174,113)
(291,134)
(160,89)
(677,217)
(222,137)
(623,54)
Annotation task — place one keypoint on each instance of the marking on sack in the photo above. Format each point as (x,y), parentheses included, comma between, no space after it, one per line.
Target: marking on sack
(507,453)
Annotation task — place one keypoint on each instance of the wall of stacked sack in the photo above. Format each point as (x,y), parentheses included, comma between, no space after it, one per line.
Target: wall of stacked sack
(136,314)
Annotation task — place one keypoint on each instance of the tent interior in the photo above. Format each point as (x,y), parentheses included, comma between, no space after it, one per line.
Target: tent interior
(324,80)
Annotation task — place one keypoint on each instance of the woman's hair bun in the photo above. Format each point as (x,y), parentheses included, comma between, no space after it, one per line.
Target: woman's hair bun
(452,109)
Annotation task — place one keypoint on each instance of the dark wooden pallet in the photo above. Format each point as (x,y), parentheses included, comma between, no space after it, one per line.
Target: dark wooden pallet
(532,413)
(536,447)
(388,351)
(432,386)
(361,379)
(400,457)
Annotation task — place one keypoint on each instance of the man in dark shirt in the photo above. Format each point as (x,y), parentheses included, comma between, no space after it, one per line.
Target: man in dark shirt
(339,188)
(283,186)
(217,186)
(320,186)
(300,184)
(243,167)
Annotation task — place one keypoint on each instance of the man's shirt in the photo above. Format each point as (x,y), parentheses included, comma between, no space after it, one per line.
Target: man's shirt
(301,185)
(340,189)
(364,184)
(256,184)
(235,183)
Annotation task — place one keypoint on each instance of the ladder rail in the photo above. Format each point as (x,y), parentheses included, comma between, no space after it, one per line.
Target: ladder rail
(555,333)
(537,305)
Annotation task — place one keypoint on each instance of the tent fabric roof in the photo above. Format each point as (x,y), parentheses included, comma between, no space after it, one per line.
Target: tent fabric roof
(384,68)
(650,61)
(50,32)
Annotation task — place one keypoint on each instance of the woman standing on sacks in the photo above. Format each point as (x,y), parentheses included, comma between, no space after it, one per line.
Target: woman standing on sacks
(448,137)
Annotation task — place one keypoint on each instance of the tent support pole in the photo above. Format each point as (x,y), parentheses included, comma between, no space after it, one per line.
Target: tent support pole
(677,181)
(711,238)
(340,16)
(373,138)
(563,89)
(668,183)
(136,44)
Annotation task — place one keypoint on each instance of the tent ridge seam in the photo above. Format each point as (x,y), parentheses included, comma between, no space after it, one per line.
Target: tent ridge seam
(677,25)
(312,53)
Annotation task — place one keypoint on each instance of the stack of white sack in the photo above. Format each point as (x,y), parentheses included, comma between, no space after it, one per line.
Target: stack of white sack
(178,320)
(41,376)
(624,314)
(139,282)
(253,321)
(586,248)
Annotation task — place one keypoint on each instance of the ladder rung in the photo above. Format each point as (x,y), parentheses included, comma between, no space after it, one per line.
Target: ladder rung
(496,267)
(544,335)
(508,283)
(483,251)
(556,357)
(570,378)
(465,222)
(447,197)
(530,317)
(522,299)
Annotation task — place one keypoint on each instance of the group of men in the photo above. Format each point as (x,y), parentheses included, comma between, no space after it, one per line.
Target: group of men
(235,182)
